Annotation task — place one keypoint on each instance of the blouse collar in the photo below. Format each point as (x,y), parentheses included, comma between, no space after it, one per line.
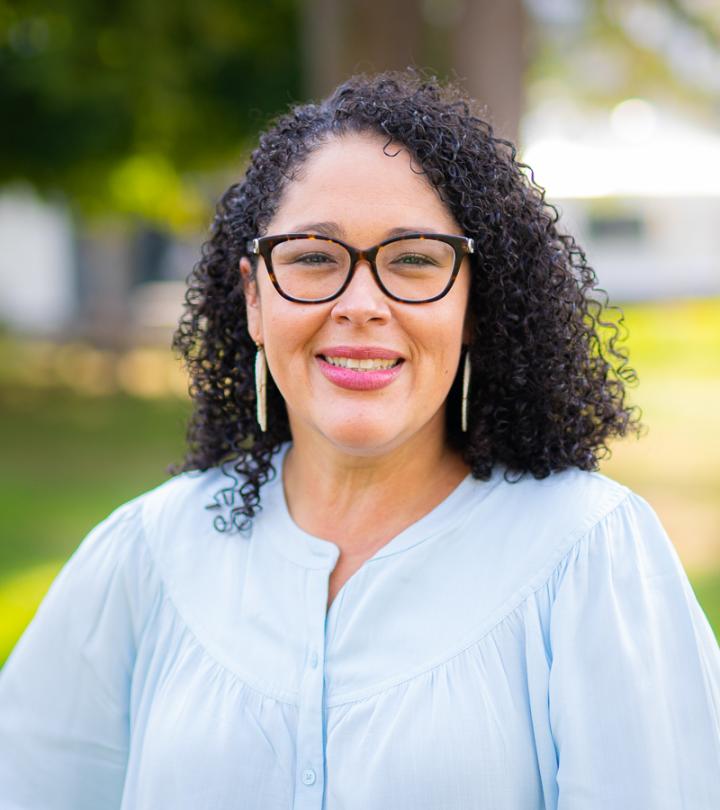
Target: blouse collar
(310,551)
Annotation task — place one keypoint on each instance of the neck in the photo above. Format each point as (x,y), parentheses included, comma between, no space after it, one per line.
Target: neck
(360,502)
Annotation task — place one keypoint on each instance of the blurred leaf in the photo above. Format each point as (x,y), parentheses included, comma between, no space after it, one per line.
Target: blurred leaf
(94,91)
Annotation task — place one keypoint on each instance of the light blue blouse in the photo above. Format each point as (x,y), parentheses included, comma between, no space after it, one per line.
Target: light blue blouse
(527,645)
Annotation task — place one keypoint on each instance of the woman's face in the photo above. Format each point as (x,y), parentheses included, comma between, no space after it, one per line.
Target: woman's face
(352,190)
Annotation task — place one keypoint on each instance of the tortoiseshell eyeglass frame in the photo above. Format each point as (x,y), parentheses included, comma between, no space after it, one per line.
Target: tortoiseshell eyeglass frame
(263,246)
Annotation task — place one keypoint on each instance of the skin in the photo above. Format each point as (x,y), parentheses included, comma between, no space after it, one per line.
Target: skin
(364,465)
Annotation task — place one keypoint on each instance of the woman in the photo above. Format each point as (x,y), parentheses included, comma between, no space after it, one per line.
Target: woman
(411,589)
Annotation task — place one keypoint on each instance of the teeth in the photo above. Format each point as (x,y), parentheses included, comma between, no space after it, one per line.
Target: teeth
(361,365)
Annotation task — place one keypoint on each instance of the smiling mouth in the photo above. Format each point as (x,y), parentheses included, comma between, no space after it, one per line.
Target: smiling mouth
(362,364)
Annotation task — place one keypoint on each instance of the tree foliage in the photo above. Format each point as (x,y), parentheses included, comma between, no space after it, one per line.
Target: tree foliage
(98,95)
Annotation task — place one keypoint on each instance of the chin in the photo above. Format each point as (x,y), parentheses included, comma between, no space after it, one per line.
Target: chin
(363,437)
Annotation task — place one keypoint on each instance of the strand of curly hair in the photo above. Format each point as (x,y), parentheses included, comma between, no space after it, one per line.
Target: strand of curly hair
(549,375)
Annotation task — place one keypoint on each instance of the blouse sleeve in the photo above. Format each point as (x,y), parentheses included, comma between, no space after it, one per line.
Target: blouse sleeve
(64,691)
(635,674)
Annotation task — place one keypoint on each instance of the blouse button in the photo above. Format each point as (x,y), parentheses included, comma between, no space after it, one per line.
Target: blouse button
(308,776)
(314,659)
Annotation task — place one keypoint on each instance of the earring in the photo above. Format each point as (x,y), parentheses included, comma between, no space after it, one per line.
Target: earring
(261,387)
(465,389)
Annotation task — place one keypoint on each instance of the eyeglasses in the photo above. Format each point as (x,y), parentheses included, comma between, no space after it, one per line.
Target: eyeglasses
(415,268)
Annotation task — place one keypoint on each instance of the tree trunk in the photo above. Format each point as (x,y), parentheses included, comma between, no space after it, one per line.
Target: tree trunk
(351,36)
(480,41)
(489,53)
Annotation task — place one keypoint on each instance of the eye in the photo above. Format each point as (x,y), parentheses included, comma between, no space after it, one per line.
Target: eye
(313,258)
(414,259)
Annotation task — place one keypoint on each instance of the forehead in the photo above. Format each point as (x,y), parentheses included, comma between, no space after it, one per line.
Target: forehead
(362,181)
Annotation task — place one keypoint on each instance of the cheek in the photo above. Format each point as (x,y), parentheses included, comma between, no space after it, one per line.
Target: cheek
(441,343)
(287,327)
(447,323)
(290,331)
(277,316)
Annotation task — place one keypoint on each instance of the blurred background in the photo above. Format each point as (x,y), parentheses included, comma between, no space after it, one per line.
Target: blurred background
(122,123)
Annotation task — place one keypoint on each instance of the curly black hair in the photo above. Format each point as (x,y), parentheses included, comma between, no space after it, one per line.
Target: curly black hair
(548,373)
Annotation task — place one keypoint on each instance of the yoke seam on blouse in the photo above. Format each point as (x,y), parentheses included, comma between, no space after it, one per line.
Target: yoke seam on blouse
(282,697)
(583,533)
(520,598)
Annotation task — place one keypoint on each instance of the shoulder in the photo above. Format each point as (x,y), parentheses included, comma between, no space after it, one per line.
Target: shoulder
(155,530)
(532,524)
(574,532)
(564,505)
(160,543)
(190,499)
(179,518)
(196,560)
(587,525)
(202,502)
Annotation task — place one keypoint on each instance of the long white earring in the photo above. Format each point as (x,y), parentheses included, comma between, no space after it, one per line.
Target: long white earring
(261,387)
(465,389)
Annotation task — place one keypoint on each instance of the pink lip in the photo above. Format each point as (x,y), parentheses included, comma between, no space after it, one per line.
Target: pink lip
(359,380)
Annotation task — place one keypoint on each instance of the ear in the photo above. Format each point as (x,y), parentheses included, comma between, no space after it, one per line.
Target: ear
(252,300)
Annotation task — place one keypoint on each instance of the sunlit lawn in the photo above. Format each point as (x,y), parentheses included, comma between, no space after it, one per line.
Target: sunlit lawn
(675,348)
(70,458)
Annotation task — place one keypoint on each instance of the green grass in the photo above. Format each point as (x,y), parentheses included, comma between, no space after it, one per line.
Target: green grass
(20,594)
(675,348)
(671,338)
(707,590)
(69,459)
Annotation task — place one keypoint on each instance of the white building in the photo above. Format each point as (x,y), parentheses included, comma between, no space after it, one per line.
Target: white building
(640,191)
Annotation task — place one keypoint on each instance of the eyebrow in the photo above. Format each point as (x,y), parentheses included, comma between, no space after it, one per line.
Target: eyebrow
(333,229)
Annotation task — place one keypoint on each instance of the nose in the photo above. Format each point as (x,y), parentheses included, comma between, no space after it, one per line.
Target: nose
(363,300)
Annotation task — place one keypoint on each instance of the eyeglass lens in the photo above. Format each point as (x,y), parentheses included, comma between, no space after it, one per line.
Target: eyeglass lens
(414,269)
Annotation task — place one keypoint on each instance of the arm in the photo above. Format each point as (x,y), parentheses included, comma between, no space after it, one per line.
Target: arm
(635,674)
(64,692)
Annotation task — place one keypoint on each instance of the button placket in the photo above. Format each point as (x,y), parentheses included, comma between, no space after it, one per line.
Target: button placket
(310,755)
